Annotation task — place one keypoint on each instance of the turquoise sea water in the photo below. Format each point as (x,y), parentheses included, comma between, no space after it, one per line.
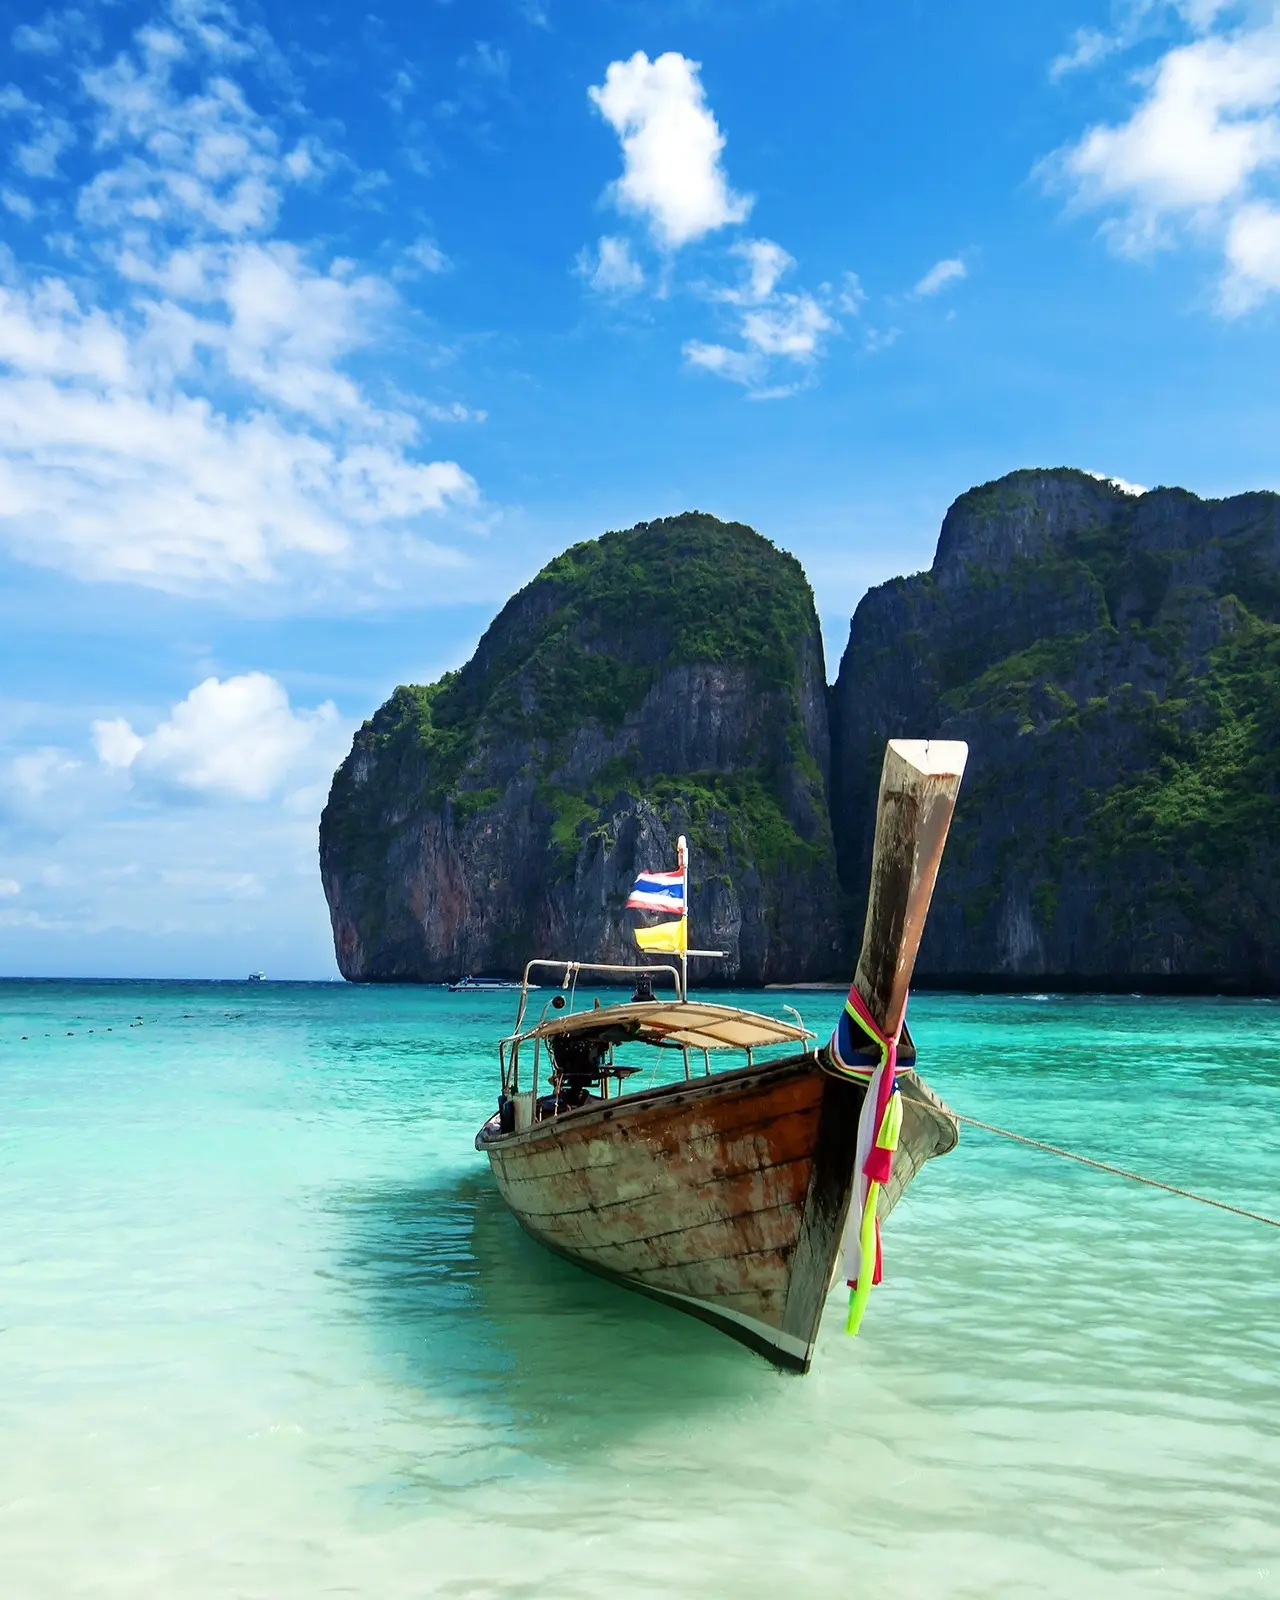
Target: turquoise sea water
(266,1329)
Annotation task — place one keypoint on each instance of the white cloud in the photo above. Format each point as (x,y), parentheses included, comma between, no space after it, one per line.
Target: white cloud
(787,327)
(44,333)
(1123,484)
(39,773)
(1205,128)
(1136,20)
(1135,23)
(488,61)
(773,324)
(427,256)
(1253,257)
(44,39)
(48,135)
(674,179)
(9,886)
(116,743)
(611,268)
(766,264)
(205,162)
(940,275)
(671,148)
(739,366)
(1088,47)
(851,296)
(43,788)
(183,842)
(791,327)
(290,327)
(878,339)
(20,205)
(1198,157)
(403,84)
(237,737)
(185,415)
(38,157)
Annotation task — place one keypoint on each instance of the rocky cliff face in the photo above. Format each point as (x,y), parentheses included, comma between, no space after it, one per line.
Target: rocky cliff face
(663,680)
(1114,662)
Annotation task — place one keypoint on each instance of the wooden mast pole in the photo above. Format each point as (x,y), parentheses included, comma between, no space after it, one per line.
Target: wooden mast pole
(682,860)
(919,782)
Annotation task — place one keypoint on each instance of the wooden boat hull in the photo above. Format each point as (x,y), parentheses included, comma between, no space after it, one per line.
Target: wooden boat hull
(725,1196)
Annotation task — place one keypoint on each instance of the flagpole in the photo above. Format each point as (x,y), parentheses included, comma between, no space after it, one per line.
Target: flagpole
(682,858)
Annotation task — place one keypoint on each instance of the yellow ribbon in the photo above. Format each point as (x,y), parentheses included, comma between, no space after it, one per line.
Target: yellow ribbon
(886,1139)
(867,1239)
(891,1127)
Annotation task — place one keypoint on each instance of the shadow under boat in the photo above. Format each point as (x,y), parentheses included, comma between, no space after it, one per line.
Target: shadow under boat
(545,1358)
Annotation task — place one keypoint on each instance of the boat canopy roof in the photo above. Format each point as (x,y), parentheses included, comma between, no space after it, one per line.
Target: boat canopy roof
(689,1024)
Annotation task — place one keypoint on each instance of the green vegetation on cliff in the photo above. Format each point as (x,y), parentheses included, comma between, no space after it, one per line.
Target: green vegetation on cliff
(1214,791)
(1203,716)
(726,812)
(701,589)
(587,639)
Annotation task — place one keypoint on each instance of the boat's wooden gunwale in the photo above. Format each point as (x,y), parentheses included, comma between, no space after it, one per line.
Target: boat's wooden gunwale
(674,1094)
(677,1094)
(690,1146)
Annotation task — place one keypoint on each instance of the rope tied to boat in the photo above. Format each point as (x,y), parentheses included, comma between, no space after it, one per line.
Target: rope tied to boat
(879,1123)
(1119,1172)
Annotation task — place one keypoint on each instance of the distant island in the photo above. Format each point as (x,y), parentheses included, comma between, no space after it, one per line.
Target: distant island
(1113,660)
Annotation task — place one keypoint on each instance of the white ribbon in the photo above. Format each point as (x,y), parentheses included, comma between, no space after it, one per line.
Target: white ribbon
(858,1204)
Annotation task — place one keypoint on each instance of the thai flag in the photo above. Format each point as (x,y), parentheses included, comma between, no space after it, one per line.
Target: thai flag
(658,891)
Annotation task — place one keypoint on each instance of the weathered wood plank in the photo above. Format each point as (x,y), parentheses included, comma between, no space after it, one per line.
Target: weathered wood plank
(919,782)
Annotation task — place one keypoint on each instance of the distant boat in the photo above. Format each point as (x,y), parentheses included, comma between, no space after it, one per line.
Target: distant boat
(468,982)
(729,1194)
(256,977)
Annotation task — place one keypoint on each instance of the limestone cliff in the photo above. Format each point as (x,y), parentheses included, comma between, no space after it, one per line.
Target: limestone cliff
(1114,661)
(661,680)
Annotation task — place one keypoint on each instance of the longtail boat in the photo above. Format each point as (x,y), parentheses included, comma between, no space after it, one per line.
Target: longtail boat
(730,1193)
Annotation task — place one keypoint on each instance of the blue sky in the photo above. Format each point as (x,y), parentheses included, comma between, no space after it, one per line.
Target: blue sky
(321,330)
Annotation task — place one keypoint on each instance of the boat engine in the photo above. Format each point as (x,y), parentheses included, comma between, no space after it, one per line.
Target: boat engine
(579,1068)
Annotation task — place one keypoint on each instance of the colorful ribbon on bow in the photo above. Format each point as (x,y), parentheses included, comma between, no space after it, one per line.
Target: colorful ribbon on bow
(878,1127)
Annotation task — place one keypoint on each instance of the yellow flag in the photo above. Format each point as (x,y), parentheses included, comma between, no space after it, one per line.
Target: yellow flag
(666,939)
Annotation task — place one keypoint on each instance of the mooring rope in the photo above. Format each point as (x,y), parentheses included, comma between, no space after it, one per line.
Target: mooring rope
(1119,1172)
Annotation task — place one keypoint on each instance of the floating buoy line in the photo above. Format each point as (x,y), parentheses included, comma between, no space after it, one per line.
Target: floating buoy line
(122,1027)
(1118,1172)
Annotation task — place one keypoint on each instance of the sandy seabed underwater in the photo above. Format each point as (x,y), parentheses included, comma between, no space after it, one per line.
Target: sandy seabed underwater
(266,1328)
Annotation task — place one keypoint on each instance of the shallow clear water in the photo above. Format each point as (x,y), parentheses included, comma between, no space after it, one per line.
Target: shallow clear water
(266,1329)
